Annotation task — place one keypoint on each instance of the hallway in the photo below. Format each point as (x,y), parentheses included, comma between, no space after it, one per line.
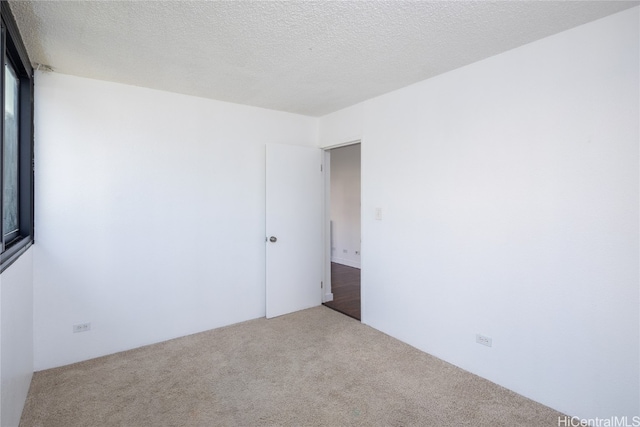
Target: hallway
(345,285)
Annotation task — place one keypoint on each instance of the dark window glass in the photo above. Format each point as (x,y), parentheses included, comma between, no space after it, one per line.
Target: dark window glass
(16,142)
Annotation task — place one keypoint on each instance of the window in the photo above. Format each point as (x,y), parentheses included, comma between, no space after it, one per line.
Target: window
(16,135)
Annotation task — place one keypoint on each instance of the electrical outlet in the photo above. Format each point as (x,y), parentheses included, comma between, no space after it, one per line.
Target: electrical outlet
(379,214)
(481,339)
(344,251)
(81,327)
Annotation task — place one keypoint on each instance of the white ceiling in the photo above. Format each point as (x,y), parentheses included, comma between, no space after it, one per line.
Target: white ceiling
(306,57)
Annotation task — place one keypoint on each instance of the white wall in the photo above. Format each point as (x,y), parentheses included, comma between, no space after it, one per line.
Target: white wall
(341,127)
(16,342)
(345,205)
(149,214)
(510,193)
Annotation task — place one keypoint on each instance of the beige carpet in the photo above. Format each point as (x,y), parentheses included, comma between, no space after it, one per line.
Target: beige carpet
(311,368)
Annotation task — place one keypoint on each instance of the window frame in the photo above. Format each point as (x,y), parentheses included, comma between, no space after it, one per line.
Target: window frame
(12,50)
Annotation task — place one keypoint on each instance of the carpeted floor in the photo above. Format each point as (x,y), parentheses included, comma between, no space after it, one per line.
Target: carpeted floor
(316,367)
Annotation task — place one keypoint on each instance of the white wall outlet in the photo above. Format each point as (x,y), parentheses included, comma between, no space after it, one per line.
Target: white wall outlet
(81,327)
(379,214)
(344,251)
(481,339)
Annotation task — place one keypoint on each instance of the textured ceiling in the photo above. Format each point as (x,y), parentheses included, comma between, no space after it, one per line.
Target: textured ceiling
(306,57)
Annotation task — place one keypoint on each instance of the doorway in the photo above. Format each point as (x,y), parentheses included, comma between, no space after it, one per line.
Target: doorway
(343,211)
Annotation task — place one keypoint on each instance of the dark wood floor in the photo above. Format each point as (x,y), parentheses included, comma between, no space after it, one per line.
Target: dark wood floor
(345,286)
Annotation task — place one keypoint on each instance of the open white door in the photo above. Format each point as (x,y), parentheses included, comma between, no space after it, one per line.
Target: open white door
(294,228)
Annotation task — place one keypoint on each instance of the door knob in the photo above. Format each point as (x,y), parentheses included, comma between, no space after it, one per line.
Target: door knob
(273,239)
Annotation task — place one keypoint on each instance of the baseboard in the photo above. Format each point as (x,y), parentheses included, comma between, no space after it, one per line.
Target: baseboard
(328,297)
(347,262)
